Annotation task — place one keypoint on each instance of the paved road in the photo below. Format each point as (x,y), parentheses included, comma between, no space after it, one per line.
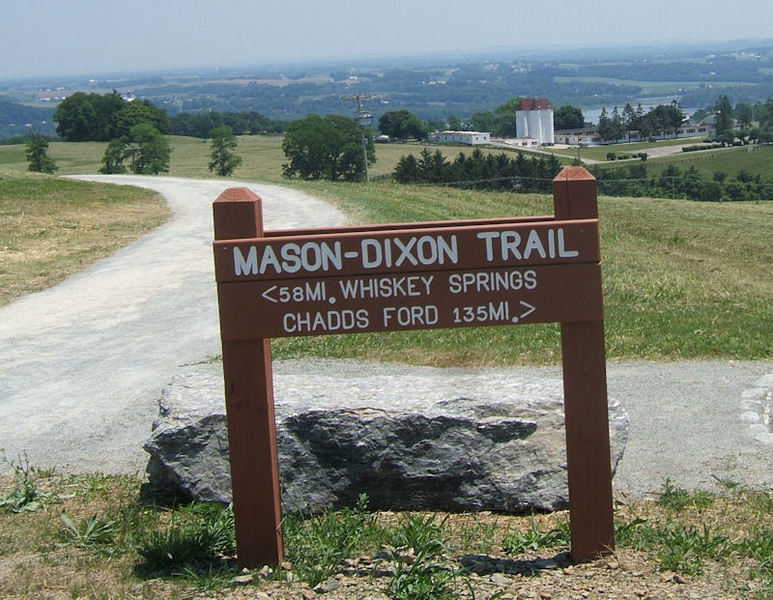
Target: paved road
(81,364)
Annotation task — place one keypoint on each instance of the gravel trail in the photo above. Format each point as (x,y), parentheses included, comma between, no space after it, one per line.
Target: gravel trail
(82,364)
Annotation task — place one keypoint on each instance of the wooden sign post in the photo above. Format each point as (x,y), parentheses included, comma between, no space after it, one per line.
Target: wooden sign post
(410,276)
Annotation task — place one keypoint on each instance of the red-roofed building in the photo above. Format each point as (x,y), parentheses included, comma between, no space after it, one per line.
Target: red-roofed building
(534,120)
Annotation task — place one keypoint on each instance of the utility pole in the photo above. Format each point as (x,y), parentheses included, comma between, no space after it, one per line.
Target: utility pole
(364,118)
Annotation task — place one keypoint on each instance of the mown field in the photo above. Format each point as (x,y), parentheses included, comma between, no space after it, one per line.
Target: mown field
(755,160)
(682,279)
(262,157)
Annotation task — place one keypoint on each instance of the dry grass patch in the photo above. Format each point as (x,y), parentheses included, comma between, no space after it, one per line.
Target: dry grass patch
(51,228)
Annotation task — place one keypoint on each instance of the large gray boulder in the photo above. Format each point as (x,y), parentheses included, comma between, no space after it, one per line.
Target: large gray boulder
(411,438)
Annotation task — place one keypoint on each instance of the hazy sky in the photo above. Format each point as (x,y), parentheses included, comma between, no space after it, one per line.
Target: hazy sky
(50,37)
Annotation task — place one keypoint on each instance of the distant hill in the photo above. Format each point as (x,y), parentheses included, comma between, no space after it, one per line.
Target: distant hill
(17,119)
(435,87)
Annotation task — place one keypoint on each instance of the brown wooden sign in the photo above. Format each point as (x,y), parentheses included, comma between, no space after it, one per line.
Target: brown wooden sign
(410,276)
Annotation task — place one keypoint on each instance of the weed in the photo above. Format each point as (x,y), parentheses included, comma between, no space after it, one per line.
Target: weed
(421,581)
(24,496)
(637,534)
(206,532)
(210,580)
(676,498)
(424,535)
(760,548)
(685,548)
(727,483)
(680,549)
(318,545)
(534,539)
(89,532)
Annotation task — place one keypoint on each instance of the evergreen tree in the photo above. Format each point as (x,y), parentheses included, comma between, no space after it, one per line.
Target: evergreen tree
(224,160)
(36,151)
(724,115)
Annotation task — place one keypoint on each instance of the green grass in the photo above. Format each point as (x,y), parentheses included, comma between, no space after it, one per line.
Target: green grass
(756,160)
(681,279)
(262,157)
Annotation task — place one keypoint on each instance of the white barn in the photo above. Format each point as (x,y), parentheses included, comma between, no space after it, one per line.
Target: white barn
(534,120)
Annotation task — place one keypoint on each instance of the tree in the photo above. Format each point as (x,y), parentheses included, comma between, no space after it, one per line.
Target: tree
(724,123)
(115,155)
(326,148)
(505,114)
(454,123)
(743,114)
(153,150)
(568,117)
(147,150)
(224,160)
(618,126)
(76,119)
(606,126)
(402,125)
(136,112)
(37,155)
(90,117)
(484,120)
(629,119)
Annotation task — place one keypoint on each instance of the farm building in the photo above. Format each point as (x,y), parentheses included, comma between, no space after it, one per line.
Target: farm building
(471,138)
(534,121)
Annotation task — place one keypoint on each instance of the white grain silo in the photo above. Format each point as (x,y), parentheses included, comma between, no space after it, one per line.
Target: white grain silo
(534,119)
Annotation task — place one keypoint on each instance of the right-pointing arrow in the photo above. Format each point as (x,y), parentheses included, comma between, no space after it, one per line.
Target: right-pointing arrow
(528,312)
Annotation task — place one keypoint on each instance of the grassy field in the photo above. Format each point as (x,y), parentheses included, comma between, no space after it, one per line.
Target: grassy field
(90,536)
(262,157)
(756,160)
(51,227)
(682,280)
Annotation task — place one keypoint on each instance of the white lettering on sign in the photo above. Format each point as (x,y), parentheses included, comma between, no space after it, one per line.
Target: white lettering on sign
(386,287)
(511,244)
(410,316)
(424,250)
(312,257)
(328,321)
(292,257)
(484,281)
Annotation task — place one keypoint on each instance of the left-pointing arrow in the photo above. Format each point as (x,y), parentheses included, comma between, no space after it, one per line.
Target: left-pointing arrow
(267,294)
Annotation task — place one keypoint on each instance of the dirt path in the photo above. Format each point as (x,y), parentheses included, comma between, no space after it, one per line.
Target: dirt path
(81,364)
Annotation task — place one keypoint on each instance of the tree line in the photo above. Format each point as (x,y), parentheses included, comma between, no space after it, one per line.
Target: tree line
(200,124)
(477,170)
(730,122)
(673,182)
